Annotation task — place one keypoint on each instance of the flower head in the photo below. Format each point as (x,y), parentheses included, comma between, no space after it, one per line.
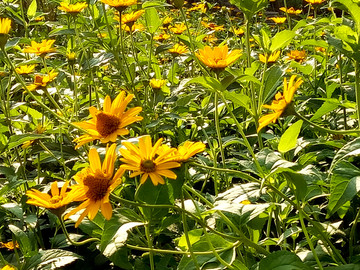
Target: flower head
(178,28)
(5,26)
(72,9)
(189,149)
(218,57)
(41,81)
(212,26)
(157,83)
(291,11)
(40,49)
(106,125)
(147,161)
(162,37)
(134,27)
(278,20)
(120,5)
(315,2)
(8,267)
(167,21)
(25,69)
(56,200)
(9,245)
(298,56)
(178,49)
(269,58)
(238,31)
(281,102)
(94,185)
(130,18)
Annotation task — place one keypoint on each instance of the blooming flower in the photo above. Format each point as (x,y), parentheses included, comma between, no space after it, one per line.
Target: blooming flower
(212,26)
(167,21)
(157,83)
(238,31)
(189,149)
(178,49)
(298,56)
(54,201)
(9,245)
(130,18)
(8,267)
(210,38)
(5,26)
(40,129)
(161,37)
(278,20)
(40,49)
(120,5)
(269,58)
(94,185)
(41,81)
(134,27)
(106,125)
(291,11)
(315,2)
(218,57)
(72,9)
(147,161)
(25,69)
(178,28)
(280,103)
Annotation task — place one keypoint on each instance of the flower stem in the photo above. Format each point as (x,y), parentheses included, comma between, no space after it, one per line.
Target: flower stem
(75,243)
(357,90)
(149,241)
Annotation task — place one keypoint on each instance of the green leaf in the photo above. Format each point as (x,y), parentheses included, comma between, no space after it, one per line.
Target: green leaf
(238,99)
(327,106)
(298,180)
(350,149)
(22,239)
(272,78)
(209,83)
(249,7)
(353,9)
(15,209)
(281,39)
(289,138)
(194,236)
(344,185)
(282,260)
(17,140)
(32,9)
(152,20)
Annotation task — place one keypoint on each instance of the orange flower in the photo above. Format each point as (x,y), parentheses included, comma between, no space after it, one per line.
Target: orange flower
(134,27)
(218,57)
(291,11)
(9,245)
(120,5)
(40,49)
(280,103)
(178,28)
(212,26)
(72,9)
(130,18)
(278,20)
(41,81)
(162,37)
(238,31)
(298,56)
(25,69)
(178,49)
(315,2)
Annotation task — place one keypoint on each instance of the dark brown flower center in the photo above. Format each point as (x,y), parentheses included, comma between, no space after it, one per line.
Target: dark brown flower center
(98,187)
(106,124)
(148,166)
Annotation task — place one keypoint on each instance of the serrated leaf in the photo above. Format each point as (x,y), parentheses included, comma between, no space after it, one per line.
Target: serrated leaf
(289,138)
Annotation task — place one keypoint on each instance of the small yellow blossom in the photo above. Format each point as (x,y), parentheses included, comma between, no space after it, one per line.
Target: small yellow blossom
(157,83)
(278,20)
(291,11)
(298,56)
(25,69)
(40,49)
(269,58)
(178,49)
(178,28)
(218,57)
(72,9)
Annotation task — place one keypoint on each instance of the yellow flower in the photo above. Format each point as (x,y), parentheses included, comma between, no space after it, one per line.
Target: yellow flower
(71,56)
(41,81)
(157,83)
(320,49)
(40,129)
(167,20)
(8,267)
(134,27)
(280,103)
(315,2)
(178,28)
(120,5)
(278,20)
(9,245)
(269,58)
(298,56)
(238,31)
(25,69)
(178,49)
(162,37)
(54,201)
(147,161)
(198,6)
(189,149)
(5,26)
(218,57)
(130,18)
(40,49)
(291,11)
(210,38)
(106,125)
(40,18)
(73,9)
(212,26)
(94,185)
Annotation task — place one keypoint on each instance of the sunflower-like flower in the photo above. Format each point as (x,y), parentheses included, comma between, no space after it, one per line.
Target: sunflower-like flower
(315,2)
(40,49)
(178,28)
(212,26)
(11,245)
(5,26)
(161,37)
(218,57)
(178,49)
(146,160)
(130,18)
(166,22)
(135,27)
(41,81)
(8,267)
(72,9)
(25,69)
(239,31)
(298,56)
(56,200)
(291,10)
(189,149)
(281,102)
(94,185)
(106,125)
(278,20)
(120,5)
(157,83)
(269,58)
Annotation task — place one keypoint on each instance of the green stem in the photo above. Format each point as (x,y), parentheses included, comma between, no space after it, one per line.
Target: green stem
(357,90)
(75,243)
(352,131)
(352,235)
(149,241)
(218,133)
(309,240)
